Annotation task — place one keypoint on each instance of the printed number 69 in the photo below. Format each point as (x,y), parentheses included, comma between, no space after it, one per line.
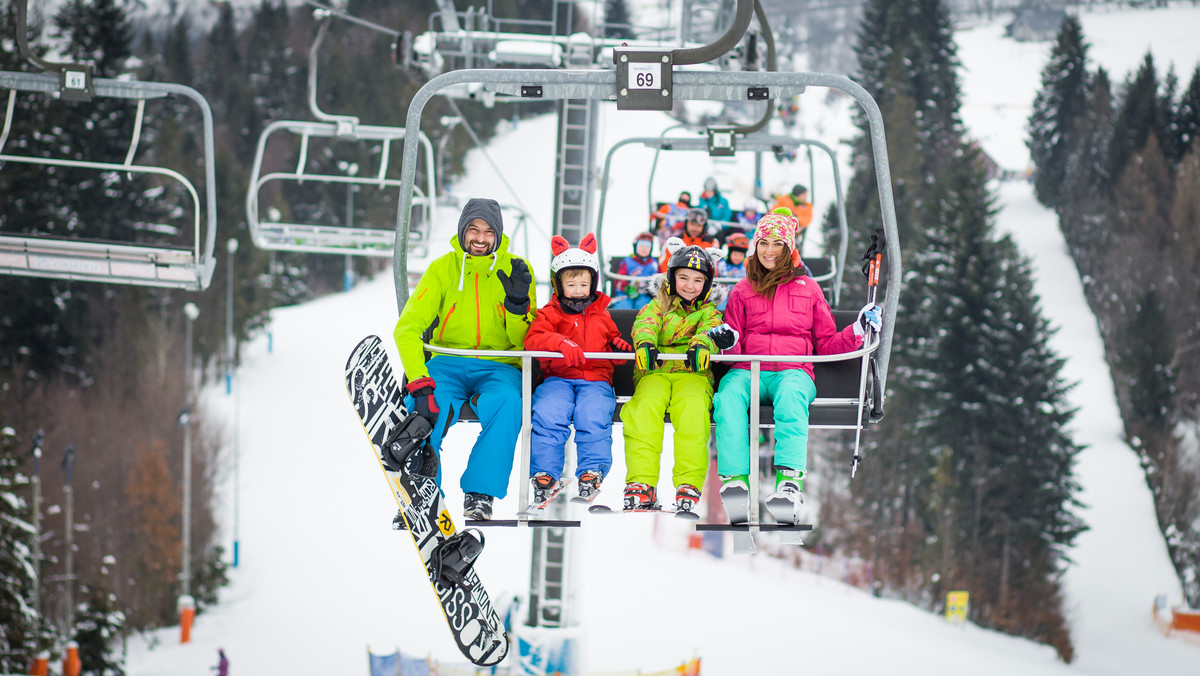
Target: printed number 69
(645,79)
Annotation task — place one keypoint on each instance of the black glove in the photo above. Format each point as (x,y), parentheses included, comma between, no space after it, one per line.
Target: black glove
(421,390)
(724,336)
(516,287)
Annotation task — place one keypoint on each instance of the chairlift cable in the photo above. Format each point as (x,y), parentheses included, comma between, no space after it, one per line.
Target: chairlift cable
(342,14)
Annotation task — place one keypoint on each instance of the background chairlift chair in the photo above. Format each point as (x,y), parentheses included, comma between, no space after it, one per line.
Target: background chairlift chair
(825,270)
(134,263)
(272,234)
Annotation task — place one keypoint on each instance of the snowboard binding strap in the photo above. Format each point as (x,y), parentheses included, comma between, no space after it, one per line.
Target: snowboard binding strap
(453,558)
(406,450)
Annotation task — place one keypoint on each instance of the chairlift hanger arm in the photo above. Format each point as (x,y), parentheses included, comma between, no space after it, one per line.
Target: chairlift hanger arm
(741,21)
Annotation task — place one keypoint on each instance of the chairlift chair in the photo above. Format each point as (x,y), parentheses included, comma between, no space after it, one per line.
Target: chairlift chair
(273,234)
(136,263)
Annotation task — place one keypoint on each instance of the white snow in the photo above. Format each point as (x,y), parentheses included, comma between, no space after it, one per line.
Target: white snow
(322,577)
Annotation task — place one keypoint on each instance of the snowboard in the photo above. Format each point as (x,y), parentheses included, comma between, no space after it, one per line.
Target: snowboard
(379,403)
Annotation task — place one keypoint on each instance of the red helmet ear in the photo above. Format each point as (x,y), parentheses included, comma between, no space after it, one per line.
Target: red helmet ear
(558,244)
(589,243)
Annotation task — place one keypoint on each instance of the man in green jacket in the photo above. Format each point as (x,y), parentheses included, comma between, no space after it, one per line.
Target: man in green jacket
(481,297)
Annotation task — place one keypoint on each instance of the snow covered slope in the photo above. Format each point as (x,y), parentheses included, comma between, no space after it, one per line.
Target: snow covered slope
(322,576)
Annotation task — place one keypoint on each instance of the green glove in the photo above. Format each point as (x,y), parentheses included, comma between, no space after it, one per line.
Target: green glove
(697,358)
(645,357)
(631,290)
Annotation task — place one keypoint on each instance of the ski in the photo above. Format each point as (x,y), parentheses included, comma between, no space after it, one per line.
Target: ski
(538,509)
(589,500)
(409,467)
(684,514)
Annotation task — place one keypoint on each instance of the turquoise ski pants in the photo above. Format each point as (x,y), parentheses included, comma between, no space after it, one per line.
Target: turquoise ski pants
(790,391)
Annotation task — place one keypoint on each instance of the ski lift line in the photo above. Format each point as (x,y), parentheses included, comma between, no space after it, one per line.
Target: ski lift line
(200,269)
(488,156)
(342,14)
(601,84)
(310,238)
(750,143)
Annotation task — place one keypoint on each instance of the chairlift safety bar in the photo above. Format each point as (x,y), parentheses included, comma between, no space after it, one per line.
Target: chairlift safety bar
(527,356)
(311,238)
(136,264)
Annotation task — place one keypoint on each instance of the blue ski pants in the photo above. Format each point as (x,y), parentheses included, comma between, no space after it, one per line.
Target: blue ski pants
(557,403)
(494,390)
(791,392)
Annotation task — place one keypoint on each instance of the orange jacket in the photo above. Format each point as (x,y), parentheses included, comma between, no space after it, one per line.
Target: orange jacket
(700,241)
(803,211)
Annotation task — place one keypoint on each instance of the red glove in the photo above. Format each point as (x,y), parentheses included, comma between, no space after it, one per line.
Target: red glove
(421,390)
(572,353)
(621,344)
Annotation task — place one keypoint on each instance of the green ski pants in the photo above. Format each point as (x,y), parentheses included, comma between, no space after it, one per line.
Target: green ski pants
(687,397)
(790,392)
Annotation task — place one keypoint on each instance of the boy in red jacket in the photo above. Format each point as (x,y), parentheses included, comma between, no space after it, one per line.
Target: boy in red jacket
(575,390)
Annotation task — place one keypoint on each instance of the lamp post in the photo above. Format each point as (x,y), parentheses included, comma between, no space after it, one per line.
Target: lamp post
(36,452)
(191,312)
(231,247)
(351,169)
(68,463)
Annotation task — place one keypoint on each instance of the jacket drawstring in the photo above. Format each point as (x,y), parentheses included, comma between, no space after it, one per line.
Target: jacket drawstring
(462,271)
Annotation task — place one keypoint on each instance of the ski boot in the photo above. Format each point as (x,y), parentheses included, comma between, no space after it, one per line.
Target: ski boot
(735,496)
(640,497)
(785,503)
(589,484)
(452,558)
(687,497)
(544,487)
(477,507)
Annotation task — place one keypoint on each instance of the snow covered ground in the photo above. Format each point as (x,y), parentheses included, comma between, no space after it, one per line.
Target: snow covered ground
(322,577)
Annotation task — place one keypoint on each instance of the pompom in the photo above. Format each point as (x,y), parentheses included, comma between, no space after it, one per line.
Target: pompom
(782,211)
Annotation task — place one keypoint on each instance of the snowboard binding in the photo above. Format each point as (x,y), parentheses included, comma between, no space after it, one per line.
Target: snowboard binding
(452,559)
(406,448)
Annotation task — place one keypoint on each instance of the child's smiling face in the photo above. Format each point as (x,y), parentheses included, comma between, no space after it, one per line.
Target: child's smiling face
(689,284)
(577,284)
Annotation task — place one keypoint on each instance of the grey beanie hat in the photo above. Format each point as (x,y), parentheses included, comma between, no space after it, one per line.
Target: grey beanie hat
(488,210)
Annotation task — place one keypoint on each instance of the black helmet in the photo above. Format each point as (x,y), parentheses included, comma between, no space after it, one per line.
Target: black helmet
(691,258)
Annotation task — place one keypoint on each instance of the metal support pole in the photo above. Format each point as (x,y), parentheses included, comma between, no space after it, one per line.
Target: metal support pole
(68,462)
(231,247)
(37,521)
(191,312)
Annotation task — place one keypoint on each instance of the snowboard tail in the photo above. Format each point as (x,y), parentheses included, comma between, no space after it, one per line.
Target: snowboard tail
(379,403)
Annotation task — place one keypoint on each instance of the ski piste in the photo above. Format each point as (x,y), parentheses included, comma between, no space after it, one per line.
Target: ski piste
(378,401)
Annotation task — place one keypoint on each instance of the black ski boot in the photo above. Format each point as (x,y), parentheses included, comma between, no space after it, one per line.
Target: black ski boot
(477,506)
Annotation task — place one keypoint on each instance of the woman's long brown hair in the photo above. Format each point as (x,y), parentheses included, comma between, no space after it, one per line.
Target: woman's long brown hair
(766,281)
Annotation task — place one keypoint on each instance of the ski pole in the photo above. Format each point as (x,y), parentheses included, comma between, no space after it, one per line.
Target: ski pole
(874,260)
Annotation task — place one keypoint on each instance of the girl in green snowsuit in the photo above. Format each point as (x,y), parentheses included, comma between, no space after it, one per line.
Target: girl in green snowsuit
(675,322)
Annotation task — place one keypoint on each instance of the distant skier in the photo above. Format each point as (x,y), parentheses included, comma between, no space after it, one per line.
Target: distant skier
(576,390)
(733,266)
(222,667)
(478,296)
(712,201)
(776,309)
(677,321)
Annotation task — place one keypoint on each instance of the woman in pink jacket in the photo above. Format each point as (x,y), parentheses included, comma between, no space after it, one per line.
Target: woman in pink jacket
(776,310)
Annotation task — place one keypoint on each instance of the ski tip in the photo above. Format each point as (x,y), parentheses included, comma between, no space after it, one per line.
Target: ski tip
(687,515)
(600,509)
